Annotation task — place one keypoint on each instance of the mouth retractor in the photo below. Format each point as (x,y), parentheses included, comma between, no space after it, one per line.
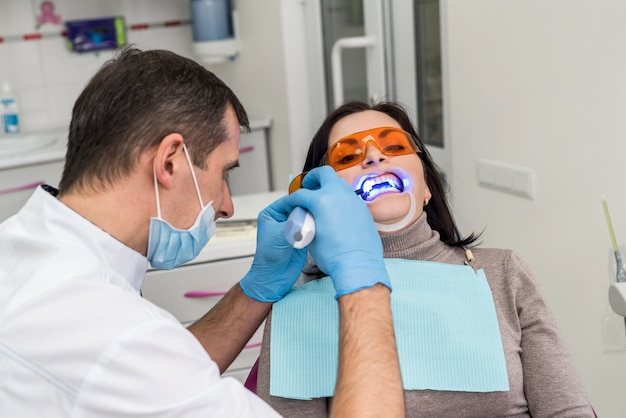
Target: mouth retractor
(373,185)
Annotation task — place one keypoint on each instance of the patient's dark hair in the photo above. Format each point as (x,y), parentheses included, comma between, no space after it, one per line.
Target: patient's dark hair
(438,211)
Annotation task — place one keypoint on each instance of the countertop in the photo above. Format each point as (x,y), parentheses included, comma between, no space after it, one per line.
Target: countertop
(33,148)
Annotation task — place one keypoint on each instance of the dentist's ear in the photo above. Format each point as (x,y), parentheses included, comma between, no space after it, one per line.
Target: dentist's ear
(166,159)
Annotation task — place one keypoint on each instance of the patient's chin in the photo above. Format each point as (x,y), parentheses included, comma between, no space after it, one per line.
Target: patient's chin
(390,207)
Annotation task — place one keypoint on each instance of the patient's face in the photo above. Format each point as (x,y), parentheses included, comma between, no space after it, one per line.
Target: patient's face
(389,207)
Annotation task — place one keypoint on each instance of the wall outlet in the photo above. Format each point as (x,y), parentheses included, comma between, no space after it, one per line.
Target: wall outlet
(520,181)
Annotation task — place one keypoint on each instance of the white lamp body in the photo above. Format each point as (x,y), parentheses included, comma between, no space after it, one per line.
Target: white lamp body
(617,298)
(214,27)
(215,52)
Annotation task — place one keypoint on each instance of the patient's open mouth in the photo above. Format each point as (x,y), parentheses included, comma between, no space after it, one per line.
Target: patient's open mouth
(371,187)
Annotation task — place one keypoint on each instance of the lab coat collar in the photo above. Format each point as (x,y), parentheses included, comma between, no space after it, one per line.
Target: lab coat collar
(44,213)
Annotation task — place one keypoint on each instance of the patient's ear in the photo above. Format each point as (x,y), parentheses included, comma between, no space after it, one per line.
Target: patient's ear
(427,194)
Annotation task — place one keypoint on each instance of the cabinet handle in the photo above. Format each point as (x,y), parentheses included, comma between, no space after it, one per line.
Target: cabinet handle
(202,294)
(249,148)
(22,188)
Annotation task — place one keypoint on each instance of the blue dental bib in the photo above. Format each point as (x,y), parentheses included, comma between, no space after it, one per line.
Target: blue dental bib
(445,323)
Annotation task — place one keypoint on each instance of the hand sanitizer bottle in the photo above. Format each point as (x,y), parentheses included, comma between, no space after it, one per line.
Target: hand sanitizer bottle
(9,111)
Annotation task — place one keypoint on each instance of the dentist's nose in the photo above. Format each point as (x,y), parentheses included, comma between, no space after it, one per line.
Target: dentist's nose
(227,209)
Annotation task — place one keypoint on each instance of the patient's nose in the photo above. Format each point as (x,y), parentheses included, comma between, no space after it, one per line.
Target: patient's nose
(373,155)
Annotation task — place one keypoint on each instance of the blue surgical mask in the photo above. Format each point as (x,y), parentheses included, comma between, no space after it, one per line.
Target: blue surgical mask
(169,247)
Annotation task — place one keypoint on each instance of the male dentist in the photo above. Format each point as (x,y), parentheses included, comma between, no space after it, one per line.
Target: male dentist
(152,138)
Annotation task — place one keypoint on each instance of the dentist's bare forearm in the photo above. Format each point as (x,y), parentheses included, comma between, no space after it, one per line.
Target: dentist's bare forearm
(368,382)
(229,325)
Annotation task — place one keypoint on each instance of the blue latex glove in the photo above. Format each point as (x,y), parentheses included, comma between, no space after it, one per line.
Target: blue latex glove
(276,264)
(347,245)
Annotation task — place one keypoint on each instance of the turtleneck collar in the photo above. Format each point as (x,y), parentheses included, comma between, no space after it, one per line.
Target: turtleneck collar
(415,242)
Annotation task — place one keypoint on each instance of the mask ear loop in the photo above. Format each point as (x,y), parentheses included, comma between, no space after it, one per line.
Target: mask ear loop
(193,176)
(156,189)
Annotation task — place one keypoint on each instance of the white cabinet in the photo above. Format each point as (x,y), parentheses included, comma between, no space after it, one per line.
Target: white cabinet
(18,184)
(26,162)
(189,291)
(253,174)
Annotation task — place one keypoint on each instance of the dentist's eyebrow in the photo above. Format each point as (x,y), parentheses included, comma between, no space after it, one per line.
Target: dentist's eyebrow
(232,165)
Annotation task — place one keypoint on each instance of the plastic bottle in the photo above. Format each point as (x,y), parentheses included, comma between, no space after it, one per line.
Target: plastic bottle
(9,111)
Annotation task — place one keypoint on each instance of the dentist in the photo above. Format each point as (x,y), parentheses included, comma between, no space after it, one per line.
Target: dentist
(152,138)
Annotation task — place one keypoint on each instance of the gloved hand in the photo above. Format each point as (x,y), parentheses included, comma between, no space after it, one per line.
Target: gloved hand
(347,245)
(276,264)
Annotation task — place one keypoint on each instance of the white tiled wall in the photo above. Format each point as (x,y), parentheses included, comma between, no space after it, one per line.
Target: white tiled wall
(47,78)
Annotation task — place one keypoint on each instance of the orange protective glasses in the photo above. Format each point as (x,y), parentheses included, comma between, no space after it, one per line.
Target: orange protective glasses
(350,150)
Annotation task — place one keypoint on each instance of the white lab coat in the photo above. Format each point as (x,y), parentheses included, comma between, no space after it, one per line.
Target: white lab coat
(77,339)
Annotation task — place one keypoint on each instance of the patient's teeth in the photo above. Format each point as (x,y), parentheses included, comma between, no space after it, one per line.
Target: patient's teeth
(376,186)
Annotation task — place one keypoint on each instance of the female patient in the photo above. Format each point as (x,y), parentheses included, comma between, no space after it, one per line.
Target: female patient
(377,150)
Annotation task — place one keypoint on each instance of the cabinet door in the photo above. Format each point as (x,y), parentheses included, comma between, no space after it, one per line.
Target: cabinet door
(18,184)
(252,176)
(188,292)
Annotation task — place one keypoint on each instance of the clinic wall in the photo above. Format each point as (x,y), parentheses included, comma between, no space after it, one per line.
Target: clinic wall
(541,85)
(47,78)
(258,77)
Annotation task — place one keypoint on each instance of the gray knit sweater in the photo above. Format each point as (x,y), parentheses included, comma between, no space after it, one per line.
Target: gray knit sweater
(542,378)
